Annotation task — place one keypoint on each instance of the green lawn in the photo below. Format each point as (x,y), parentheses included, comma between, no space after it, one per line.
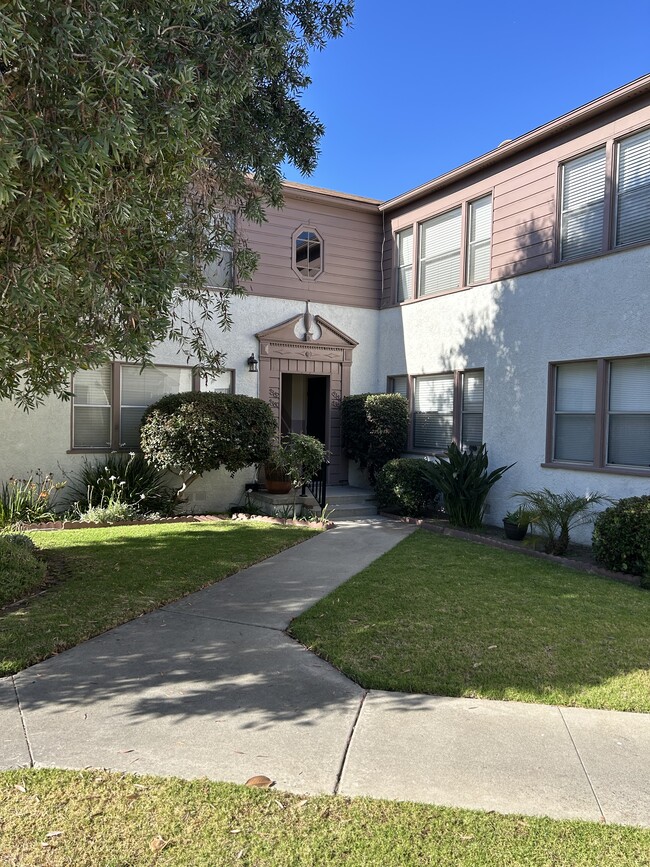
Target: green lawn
(444,616)
(118,573)
(97,818)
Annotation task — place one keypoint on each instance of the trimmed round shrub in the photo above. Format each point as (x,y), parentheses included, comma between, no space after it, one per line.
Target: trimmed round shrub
(20,571)
(621,539)
(374,428)
(21,540)
(194,432)
(402,489)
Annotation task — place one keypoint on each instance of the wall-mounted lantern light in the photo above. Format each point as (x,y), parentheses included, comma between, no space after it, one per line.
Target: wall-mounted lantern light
(252,363)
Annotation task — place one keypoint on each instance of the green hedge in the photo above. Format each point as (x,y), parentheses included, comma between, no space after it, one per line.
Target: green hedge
(201,431)
(402,489)
(21,572)
(374,428)
(621,539)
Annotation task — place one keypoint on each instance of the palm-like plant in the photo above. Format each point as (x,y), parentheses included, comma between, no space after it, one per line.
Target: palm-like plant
(462,478)
(557,514)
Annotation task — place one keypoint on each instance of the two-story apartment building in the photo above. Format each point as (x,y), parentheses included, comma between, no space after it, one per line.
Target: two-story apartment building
(508,300)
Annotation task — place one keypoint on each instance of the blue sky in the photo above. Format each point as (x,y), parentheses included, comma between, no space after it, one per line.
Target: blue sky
(417,87)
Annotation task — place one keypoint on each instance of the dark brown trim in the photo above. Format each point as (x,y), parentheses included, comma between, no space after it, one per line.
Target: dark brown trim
(609,470)
(550,411)
(294,267)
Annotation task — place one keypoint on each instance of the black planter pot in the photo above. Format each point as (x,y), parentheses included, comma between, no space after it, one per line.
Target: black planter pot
(514,531)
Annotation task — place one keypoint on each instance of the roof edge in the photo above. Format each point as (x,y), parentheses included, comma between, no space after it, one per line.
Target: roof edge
(304,191)
(571,118)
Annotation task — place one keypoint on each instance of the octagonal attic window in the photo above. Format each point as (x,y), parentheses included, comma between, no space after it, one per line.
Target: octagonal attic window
(307,253)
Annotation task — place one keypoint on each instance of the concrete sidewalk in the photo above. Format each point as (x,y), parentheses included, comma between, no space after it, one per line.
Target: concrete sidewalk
(211,686)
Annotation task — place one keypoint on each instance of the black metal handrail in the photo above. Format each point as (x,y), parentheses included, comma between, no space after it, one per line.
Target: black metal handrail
(318,486)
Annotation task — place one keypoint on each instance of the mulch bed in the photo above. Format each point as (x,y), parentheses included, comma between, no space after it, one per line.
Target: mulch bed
(578,556)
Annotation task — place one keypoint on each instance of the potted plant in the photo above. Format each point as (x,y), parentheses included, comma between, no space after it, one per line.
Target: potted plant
(276,470)
(296,459)
(516,523)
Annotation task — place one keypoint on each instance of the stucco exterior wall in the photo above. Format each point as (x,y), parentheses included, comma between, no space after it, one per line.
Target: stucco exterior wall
(42,438)
(513,329)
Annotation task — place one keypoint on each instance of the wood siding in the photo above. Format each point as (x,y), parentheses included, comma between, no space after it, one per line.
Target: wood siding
(524,188)
(351,234)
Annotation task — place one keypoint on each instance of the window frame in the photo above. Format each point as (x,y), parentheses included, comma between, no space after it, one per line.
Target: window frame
(609,245)
(115,407)
(457,413)
(294,265)
(416,227)
(599,464)
(390,385)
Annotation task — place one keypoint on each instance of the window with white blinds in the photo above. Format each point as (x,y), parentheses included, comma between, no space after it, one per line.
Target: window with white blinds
(98,424)
(633,189)
(478,242)
(438,420)
(405,265)
(142,387)
(575,412)
(399,385)
(91,408)
(471,431)
(440,247)
(583,205)
(605,432)
(433,412)
(628,437)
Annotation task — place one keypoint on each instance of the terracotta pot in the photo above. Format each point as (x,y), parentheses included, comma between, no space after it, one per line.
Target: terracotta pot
(273,486)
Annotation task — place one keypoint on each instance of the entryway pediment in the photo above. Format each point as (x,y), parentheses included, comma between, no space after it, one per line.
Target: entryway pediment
(315,330)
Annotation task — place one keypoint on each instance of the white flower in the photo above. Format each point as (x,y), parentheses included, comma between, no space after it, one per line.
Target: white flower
(131,454)
(142,496)
(122,483)
(112,478)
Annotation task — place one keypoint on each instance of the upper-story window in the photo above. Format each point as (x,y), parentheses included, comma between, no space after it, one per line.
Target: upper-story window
(619,170)
(220,273)
(405,264)
(440,253)
(307,253)
(453,250)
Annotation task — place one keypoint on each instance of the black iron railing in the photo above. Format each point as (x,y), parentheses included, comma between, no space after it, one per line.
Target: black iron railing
(318,486)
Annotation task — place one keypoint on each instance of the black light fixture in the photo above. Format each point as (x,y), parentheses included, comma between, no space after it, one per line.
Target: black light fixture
(252,363)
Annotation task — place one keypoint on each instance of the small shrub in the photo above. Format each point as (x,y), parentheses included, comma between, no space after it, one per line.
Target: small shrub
(462,478)
(403,490)
(557,514)
(621,539)
(122,479)
(28,501)
(374,429)
(21,540)
(20,571)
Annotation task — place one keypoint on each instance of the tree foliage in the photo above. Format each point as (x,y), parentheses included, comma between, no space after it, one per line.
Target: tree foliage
(128,131)
(194,432)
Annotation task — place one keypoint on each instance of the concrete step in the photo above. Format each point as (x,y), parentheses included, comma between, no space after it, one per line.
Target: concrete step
(344,495)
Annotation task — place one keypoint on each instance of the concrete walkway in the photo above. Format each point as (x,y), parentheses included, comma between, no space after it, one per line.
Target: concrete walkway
(211,686)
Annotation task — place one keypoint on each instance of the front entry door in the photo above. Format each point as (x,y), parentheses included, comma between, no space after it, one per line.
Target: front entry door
(317,367)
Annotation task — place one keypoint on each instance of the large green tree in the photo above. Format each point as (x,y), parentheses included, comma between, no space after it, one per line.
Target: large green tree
(128,128)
